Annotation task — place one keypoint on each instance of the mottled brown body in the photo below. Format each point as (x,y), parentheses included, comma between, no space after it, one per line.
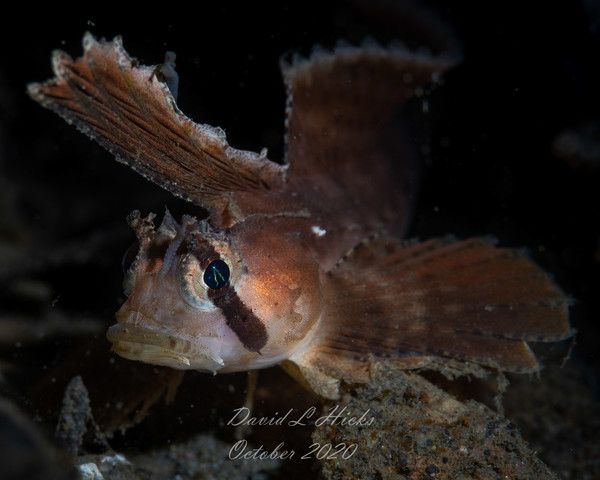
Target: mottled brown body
(299,262)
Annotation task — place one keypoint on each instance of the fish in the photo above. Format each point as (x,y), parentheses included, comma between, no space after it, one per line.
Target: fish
(301,262)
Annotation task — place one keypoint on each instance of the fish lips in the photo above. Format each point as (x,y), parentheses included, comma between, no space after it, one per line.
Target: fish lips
(134,338)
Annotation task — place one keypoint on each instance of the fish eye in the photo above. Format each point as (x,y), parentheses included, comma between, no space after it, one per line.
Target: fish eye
(127,264)
(129,257)
(206,273)
(217,275)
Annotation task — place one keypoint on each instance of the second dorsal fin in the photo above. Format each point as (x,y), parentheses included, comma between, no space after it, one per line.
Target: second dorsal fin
(340,101)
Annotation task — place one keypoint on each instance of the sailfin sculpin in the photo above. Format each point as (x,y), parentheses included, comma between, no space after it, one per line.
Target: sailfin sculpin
(299,261)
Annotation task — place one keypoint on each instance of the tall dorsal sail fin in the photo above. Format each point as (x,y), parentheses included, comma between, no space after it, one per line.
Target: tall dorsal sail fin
(129,110)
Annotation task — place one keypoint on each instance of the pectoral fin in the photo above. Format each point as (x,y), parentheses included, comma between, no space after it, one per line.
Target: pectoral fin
(129,110)
(463,300)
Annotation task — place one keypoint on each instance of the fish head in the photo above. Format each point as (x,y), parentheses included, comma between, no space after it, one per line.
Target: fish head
(213,300)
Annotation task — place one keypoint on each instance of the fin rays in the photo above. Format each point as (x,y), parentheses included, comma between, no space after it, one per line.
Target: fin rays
(460,299)
(128,110)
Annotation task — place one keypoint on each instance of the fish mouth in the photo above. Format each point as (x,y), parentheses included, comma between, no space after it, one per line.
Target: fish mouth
(135,341)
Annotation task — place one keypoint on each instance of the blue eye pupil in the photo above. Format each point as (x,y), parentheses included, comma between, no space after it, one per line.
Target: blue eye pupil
(216,275)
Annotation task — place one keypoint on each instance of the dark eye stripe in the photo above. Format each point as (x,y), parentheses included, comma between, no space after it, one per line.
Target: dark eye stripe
(248,328)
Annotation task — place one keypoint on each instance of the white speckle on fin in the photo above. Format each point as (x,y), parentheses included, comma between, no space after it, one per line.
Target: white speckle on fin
(89,42)
(318,231)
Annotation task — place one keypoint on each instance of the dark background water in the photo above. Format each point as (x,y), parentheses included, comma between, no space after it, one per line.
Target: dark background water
(528,74)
